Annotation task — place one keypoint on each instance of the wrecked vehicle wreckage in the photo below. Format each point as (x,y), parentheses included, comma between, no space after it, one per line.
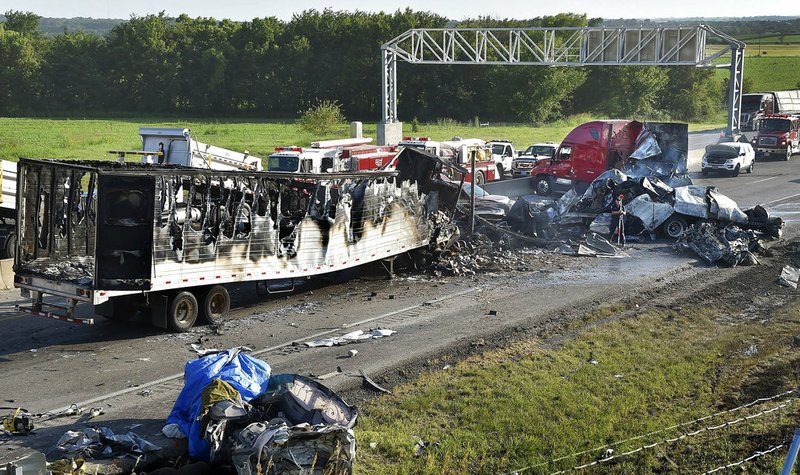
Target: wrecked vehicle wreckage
(162,240)
(659,197)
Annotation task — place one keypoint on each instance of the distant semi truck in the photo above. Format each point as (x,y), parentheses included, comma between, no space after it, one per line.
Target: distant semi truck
(757,105)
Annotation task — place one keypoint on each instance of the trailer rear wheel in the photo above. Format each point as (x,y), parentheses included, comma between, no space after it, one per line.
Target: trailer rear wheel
(182,312)
(216,305)
(10,245)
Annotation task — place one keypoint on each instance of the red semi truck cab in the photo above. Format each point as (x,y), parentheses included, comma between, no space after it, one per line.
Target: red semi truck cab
(778,134)
(586,152)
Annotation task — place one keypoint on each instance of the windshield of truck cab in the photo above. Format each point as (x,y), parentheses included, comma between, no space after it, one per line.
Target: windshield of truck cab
(751,104)
(498,149)
(283,164)
(774,125)
(540,150)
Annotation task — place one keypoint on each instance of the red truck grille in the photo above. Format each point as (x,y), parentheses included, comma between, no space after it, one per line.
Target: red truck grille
(768,141)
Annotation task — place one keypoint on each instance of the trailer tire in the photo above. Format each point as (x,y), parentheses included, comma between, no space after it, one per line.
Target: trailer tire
(542,186)
(182,311)
(10,245)
(479,180)
(674,226)
(216,305)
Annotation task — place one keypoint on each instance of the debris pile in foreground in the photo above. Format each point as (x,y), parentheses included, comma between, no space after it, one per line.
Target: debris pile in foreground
(239,417)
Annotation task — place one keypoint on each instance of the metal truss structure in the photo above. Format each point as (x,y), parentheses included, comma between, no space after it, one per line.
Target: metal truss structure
(591,46)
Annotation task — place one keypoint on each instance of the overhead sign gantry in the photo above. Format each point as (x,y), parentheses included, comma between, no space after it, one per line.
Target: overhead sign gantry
(590,46)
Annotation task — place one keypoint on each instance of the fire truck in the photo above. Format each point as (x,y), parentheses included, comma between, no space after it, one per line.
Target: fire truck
(366,157)
(778,134)
(330,156)
(459,152)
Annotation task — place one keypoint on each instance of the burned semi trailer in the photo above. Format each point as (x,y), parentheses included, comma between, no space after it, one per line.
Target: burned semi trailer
(129,237)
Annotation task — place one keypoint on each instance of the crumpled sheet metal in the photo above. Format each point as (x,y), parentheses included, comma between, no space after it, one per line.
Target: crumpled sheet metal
(646,146)
(101,442)
(728,246)
(352,337)
(651,213)
(298,450)
(725,209)
(691,201)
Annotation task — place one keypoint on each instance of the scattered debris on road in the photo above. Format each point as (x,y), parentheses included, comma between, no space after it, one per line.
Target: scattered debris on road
(789,276)
(372,383)
(352,337)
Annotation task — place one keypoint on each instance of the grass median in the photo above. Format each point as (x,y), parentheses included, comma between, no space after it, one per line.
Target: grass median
(529,406)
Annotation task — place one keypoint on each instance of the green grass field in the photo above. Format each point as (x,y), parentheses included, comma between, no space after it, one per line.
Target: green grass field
(92,138)
(518,409)
(769,73)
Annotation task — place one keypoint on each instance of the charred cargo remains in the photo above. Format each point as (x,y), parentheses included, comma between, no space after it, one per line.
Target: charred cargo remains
(98,232)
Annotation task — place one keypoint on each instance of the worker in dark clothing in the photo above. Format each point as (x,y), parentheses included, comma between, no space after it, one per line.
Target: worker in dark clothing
(617,214)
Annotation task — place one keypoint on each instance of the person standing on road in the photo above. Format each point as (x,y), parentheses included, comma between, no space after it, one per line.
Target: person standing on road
(617,214)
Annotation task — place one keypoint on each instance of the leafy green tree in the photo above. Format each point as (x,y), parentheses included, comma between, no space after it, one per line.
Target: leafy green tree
(623,91)
(691,93)
(142,66)
(72,75)
(25,23)
(19,72)
(323,118)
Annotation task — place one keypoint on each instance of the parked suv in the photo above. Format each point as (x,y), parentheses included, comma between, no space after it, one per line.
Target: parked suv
(523,164)
(729,157)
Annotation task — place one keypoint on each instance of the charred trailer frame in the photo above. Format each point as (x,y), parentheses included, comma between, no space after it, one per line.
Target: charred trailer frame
(129,237)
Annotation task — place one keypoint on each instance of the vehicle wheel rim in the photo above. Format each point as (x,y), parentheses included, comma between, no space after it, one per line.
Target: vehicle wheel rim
(544,187)
(674,229)
(184,309)
(217,305)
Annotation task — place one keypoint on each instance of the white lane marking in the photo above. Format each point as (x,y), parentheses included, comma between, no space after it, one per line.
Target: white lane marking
(762,180)
(89,402)
(784,198)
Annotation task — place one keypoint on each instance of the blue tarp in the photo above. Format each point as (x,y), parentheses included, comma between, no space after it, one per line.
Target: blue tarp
(250,376)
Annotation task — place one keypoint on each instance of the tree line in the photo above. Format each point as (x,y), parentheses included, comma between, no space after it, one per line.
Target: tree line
(271,68)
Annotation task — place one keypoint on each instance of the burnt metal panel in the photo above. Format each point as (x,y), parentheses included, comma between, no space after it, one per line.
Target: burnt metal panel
(125,232)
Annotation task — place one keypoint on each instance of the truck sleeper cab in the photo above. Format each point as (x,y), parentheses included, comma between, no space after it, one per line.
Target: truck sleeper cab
(131,237)
(596,146)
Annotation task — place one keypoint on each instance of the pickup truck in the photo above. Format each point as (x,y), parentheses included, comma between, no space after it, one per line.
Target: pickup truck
(524,163)
(502,152)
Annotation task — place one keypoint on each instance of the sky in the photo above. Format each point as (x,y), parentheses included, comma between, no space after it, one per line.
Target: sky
(452,9)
